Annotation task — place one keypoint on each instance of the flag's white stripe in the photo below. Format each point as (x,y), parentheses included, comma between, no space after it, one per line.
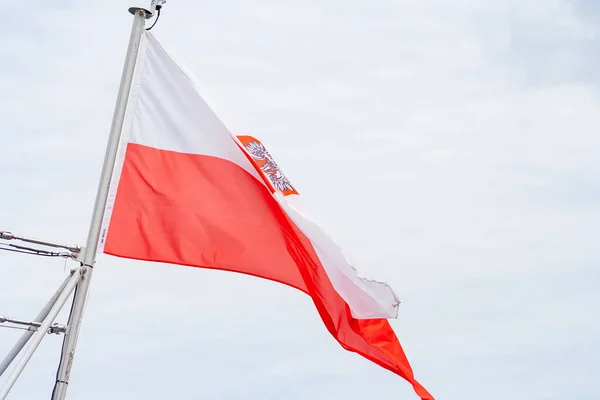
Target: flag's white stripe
(366,298)
(172,115)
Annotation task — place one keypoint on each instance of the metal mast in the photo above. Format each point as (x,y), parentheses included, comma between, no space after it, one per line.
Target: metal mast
(80,278)
(70,341)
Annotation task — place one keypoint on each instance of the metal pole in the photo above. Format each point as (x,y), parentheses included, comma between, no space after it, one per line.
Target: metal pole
(70,340)
(9,236)
(41,332)
(25,337)
(15,321)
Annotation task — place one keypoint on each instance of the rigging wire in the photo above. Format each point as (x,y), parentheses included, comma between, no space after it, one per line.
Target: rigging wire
(29,250)
(14,327)
(157,17)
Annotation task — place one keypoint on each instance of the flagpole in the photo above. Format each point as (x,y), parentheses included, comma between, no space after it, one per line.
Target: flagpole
(82,290)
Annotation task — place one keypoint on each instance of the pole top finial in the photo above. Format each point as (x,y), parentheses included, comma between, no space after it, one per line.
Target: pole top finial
(135,10)
(155,5)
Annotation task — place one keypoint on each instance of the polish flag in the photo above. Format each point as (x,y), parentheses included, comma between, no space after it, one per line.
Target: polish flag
(186,191)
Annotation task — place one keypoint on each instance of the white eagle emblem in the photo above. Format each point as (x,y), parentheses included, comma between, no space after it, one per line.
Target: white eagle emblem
(270,168)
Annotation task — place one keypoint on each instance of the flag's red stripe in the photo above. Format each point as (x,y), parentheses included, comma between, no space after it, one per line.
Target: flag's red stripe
(208,212)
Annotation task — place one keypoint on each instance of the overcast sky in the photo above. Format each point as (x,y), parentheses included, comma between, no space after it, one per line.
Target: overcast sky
(451,146)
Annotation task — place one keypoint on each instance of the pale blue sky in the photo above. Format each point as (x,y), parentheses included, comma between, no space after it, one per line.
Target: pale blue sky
(452,146)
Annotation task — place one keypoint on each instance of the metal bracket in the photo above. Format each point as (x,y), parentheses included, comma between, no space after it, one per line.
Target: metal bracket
(6,235)
(79,255)
(57,329)
(33,325)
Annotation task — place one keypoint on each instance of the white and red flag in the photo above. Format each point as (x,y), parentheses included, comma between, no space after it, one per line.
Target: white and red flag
(186,191)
